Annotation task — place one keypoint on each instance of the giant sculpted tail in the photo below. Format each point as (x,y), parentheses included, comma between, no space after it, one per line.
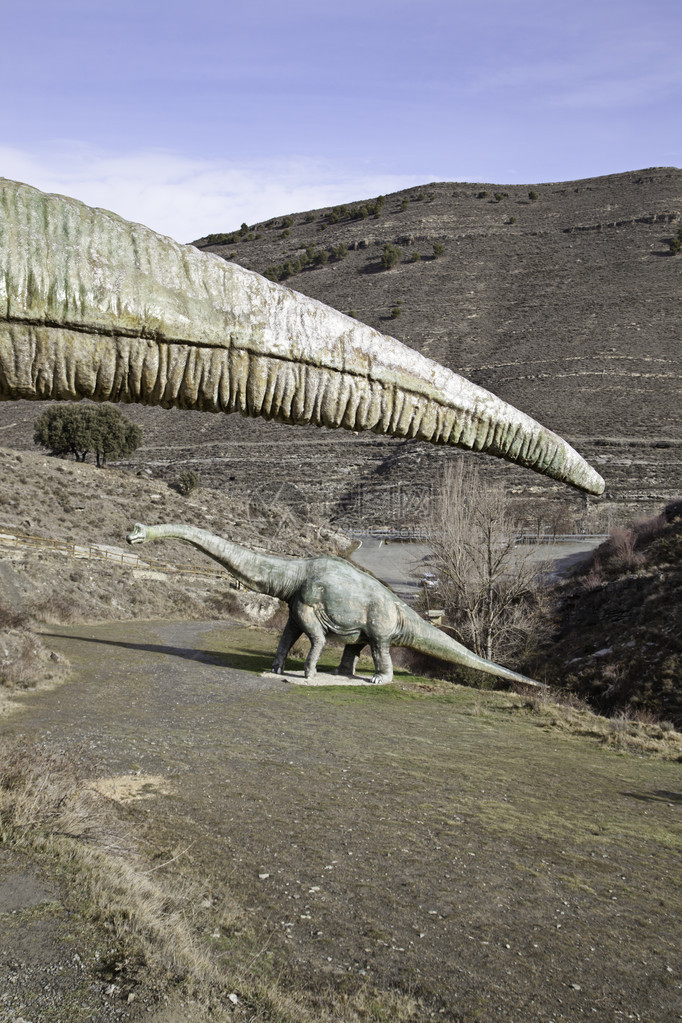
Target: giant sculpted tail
(424,637)
(92,306)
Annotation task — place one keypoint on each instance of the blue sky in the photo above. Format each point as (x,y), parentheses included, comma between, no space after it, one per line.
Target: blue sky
(195,116)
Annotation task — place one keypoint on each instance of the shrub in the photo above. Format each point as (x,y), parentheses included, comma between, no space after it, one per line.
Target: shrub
(219,239)
(79,429)
(187,482)
(675,243)
(499,196)
(340,251)
(512,220)
(309,218)
(320,258)
(404,204)
(287,222)
(483,195)
(390,256)
(532,195)
(396,311)
(367,209)
(438,250)
(338,213)
(285,233)
(415,257)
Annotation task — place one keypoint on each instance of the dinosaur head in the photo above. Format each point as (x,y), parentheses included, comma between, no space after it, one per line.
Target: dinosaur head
(138,534)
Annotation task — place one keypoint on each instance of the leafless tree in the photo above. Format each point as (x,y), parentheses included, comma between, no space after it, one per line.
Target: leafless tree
(490,587)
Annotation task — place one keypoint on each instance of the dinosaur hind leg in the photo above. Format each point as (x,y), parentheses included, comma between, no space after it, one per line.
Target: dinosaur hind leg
(383,665)
(313,629)
(349,659)
(289,637)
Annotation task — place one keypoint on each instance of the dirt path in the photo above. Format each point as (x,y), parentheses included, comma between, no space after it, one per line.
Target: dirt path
(442,847)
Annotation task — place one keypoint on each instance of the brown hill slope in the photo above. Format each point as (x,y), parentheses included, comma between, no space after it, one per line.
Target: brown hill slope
(619,623)
(83,505)
(567,305)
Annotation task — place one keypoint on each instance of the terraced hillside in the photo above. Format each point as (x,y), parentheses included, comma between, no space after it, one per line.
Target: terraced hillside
(562,298)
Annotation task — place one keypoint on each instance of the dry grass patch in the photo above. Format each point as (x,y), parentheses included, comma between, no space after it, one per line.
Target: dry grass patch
(25,661)
(627,731)
(172,937)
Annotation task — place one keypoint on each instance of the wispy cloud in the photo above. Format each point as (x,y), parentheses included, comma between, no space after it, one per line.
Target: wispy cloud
(188,198)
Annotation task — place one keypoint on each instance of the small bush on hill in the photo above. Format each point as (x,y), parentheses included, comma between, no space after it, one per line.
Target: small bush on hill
(391,255)
(675,243)
(187,482)
(222,238)
(339,251)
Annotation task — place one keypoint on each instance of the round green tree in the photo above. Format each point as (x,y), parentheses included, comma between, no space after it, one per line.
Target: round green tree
(79,429)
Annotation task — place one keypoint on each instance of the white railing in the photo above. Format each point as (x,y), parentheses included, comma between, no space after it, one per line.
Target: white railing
(530,538)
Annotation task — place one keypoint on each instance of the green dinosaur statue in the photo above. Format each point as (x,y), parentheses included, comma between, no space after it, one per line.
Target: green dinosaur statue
(328,595)
(92,306)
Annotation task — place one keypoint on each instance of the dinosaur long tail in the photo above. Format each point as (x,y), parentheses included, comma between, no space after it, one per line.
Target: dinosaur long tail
(92,306)
(427,639)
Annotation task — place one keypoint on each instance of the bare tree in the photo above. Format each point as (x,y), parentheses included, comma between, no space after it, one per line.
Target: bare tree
(490,587)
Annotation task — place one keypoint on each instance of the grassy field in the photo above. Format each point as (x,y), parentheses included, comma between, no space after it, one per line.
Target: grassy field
(411,852)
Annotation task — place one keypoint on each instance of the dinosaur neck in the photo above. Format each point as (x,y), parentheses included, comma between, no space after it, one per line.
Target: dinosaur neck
(265,573)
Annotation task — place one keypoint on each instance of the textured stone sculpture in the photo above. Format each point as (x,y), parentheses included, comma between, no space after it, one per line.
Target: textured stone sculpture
(328,595)
(92,306)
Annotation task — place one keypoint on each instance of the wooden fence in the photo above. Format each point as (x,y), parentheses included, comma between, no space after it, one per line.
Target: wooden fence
(99,552)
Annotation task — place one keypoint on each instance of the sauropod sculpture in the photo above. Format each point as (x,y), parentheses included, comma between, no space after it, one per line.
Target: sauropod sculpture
(328,595)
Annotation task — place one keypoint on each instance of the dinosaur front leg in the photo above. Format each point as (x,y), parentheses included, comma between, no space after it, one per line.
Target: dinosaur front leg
(291,633)
(349,659)
(383,665)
